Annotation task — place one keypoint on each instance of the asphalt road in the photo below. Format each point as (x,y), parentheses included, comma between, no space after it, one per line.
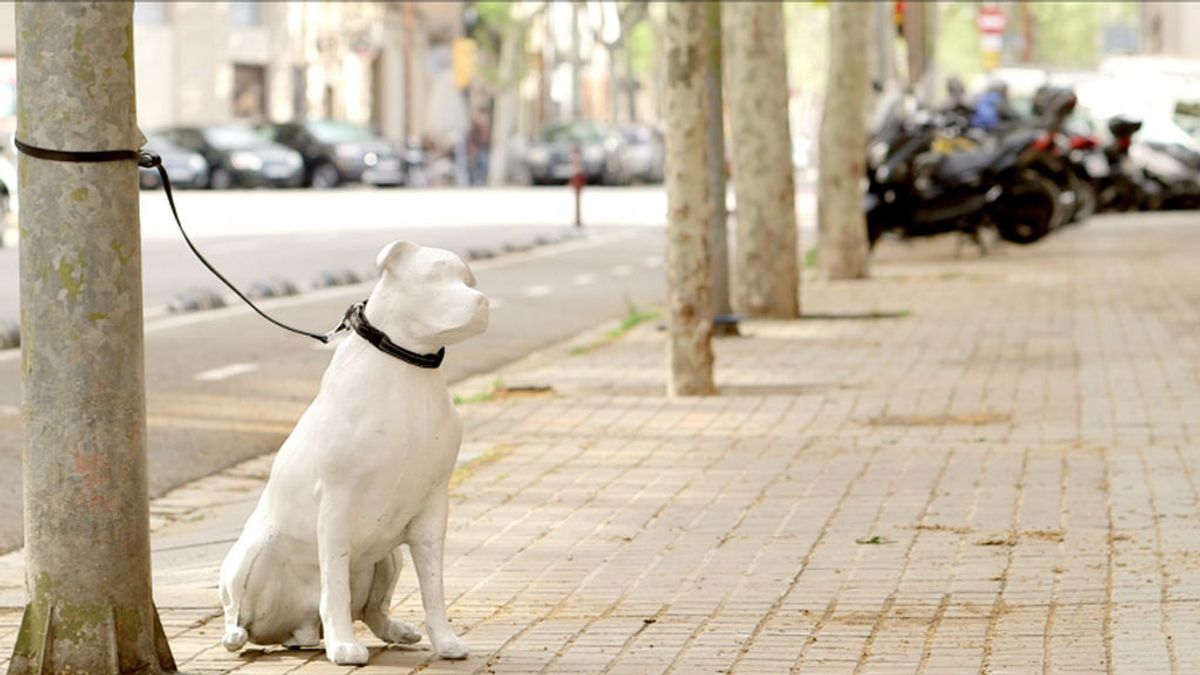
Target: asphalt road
(223,386)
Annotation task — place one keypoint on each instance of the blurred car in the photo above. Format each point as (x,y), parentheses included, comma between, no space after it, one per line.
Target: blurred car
(8,189)
(185,168)
(550,158)
(339,152)
(239,157)
(638,158)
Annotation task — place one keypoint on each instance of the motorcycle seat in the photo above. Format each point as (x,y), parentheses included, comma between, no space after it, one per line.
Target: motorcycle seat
(964,167)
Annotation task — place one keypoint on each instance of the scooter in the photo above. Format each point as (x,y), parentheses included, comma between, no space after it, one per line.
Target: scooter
(918,192)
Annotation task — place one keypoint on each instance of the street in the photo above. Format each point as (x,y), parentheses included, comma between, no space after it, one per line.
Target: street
(223,385)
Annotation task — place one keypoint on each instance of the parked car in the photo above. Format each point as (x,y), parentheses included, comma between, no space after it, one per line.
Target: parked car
(185,168)
(339,152)
(638,158)
(8,189)
(550,158)
(239,157)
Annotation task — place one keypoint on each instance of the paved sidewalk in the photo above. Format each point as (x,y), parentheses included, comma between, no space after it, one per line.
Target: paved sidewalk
(963,465)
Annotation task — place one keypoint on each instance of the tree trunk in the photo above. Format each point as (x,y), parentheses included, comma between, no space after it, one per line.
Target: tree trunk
(767,282)
(844,251)
(690,287)
(512,50)
(718,236)
(87,544)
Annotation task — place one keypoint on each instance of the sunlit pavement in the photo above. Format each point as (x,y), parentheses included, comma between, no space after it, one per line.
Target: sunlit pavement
(962,465)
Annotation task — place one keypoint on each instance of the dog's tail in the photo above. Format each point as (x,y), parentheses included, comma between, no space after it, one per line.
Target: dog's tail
(235,573)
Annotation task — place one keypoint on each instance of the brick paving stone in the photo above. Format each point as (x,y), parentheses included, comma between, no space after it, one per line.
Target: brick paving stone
(961,465)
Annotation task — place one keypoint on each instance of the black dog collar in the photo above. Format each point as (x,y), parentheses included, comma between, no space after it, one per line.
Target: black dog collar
(356,319)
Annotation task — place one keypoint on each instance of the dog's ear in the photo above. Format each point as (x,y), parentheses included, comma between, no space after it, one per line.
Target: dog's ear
(390,256)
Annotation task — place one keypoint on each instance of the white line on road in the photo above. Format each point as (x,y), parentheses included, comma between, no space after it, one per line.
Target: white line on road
(226,372)
(622,271)
(652,261)
(539,291)
(583,279)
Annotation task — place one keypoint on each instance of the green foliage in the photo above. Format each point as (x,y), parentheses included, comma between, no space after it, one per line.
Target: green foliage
(1066,34)
(641,45)
(958,51)
(1069,33)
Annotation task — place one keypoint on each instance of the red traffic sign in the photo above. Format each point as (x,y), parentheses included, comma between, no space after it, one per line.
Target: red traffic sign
(991,20)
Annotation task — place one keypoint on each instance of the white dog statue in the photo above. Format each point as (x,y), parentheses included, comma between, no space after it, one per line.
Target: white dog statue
(366,469)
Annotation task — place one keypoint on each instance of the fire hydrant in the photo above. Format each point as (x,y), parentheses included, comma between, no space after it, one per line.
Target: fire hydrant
(578,179)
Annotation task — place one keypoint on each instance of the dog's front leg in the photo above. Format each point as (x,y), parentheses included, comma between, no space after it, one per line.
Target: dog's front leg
(333,553)
(426,539)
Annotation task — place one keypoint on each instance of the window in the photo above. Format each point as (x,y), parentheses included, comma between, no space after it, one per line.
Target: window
(249,91)
(245,14)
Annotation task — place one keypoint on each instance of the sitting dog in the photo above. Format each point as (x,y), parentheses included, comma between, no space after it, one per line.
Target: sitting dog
(366,469)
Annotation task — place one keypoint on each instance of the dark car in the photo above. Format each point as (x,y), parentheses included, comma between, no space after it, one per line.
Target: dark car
(239,157)
(339,152)
(639,157)
(185,168)
(550,158)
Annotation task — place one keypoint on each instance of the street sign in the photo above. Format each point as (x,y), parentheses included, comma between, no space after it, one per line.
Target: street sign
(991,20)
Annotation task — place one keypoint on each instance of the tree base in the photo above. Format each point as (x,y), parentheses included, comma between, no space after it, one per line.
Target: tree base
(60,637)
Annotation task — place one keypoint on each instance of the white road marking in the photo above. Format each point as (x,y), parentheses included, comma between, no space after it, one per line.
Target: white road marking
(622,271)
(652,261)
(226,372)
(583,279)
(539,291)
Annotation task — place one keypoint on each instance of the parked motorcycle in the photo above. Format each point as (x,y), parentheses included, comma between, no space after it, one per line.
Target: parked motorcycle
(918,192)
(1120,184)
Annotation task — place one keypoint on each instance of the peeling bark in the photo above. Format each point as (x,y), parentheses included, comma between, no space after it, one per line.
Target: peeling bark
(87,544)
(844,249)
(690,309)
(767,282)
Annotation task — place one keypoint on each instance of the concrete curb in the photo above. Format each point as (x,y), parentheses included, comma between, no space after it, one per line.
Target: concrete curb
(200,299)
(184,501)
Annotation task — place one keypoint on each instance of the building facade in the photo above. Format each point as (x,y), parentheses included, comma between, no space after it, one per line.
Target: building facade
(370,63)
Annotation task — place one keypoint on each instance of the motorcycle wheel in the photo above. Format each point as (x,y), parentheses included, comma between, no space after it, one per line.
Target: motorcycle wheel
(1084,203)
(1028,210)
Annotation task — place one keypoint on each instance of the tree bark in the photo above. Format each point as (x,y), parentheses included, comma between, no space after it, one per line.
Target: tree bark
(512,50)
(689,285)
(87,544)
(843,246)
(767,280)
(718,236)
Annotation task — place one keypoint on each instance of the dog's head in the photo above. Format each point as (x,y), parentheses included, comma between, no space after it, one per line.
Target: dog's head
(426,297)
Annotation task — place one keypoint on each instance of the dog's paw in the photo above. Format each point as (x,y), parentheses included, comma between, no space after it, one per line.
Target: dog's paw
(401,633)
(346,653)
(235,638)
(450,647)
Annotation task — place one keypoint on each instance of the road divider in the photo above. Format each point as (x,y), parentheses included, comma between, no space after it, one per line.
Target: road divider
(337,277)
(195,299)
(272,287)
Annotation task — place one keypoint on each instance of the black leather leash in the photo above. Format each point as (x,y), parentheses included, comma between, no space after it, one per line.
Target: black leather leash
(355,318)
